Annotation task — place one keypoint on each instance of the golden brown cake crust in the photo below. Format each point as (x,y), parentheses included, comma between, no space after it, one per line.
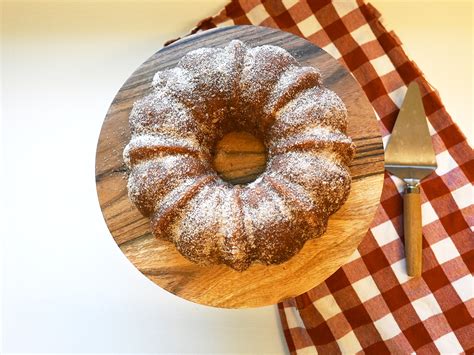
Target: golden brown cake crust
(211,92)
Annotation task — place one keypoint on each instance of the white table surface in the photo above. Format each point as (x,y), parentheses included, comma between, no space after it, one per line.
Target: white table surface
(66,286)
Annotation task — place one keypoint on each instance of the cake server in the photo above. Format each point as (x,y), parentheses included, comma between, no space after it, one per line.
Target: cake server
(410,156)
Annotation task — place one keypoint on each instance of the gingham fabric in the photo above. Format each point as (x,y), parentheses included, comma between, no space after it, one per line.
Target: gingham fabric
(370,304)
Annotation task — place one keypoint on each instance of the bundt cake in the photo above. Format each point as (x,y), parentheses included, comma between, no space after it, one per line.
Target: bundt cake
(214,91)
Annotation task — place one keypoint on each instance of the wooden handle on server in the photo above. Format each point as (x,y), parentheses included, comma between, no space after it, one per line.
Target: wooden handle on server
(412,230)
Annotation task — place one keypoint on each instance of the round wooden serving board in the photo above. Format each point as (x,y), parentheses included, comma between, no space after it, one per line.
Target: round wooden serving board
(260,285)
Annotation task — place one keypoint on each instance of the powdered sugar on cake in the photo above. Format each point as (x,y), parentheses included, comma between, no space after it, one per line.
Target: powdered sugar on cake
(214,91)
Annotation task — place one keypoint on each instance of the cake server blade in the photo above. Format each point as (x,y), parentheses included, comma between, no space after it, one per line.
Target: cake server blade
(410,156)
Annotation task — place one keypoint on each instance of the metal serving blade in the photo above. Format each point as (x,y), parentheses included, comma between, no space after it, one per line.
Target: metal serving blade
(409,153)
(410,156)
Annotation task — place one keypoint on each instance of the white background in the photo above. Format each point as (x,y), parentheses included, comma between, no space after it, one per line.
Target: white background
(65,284)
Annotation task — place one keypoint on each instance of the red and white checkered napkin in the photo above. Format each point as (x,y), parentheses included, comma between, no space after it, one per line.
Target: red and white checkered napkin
(370,304)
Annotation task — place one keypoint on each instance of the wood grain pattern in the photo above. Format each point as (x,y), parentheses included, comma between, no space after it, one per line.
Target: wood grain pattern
(412,231)
(239,158)
(221,286)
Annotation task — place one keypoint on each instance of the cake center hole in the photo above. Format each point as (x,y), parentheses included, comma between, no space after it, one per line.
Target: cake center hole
(239,157)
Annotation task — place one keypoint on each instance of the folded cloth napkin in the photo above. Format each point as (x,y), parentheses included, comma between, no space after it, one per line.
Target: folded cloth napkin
(370,304)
